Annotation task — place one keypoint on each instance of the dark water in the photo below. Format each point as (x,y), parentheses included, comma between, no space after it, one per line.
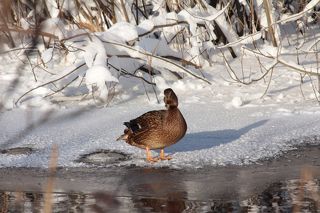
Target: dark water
(290,183)
(288,196)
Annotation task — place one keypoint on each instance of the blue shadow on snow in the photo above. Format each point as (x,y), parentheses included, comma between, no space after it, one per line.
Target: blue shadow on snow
(209,139)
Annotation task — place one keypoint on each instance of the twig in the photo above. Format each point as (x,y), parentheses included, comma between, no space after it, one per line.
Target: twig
(258,34)
(17,49)
(149,62)
(12,86)
(62,88)
(133,75)
(52,81)
(163,26)
(295,67)
(136,76)
(28,32)
(234,76)
(314,89)
(300,85)
(269,83)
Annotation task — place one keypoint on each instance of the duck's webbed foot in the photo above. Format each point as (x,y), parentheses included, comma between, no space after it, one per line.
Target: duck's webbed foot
(163,157)
(149,157)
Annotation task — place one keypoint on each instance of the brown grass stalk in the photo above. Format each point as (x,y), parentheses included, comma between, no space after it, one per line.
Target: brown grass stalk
(125,13)
(50,184)
(267,9)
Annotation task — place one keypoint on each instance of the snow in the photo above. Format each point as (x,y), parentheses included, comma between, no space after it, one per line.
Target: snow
(96,77)
(237,102)
(229,123)
(307,9)
(47,55)
(54,26)
(145,26)
(121,32)
(216,135)
(95,53)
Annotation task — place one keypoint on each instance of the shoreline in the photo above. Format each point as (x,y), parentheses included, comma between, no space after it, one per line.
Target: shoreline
(213,183)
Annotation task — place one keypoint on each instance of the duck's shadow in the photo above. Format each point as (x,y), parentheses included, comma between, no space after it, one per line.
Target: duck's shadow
(209,139)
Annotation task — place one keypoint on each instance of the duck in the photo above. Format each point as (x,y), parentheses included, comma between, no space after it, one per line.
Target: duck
(157,129)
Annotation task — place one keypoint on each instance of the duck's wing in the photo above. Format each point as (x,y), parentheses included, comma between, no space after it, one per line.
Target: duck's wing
(145,122)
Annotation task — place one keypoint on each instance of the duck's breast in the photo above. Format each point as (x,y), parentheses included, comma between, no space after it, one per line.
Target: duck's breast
(175,127)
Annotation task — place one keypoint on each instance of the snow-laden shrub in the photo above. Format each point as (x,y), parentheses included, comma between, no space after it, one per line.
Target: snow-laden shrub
(89,47)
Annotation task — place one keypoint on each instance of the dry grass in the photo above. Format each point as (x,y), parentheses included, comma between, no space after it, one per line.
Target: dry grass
(48,202)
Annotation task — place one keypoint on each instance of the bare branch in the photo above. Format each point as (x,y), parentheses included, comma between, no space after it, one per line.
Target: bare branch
(50,82)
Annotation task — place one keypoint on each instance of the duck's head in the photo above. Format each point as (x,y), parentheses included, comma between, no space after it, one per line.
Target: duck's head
(170,98)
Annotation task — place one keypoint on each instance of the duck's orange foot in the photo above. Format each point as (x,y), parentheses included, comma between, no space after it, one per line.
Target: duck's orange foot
(163,157)
(150,159)
(168,157)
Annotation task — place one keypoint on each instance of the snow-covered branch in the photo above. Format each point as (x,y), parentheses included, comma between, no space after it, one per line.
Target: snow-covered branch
(157,61)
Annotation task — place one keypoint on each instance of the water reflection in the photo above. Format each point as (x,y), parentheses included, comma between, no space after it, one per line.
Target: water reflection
(34,202)
(288,196)
(170,204)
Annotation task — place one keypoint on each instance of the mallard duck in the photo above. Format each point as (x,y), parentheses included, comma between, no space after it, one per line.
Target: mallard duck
(157,129)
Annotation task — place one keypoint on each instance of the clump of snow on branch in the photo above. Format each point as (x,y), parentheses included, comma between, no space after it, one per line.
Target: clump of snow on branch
(98,74)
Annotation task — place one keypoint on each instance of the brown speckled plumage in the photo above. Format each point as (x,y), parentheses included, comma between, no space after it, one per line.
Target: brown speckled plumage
(157,129)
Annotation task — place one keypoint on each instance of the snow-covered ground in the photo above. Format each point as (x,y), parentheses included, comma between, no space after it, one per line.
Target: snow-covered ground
(228,123)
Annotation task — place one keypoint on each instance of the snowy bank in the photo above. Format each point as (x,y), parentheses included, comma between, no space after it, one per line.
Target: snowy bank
(217,135)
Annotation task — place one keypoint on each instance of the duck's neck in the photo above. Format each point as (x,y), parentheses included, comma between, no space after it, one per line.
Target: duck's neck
(172,107)
(172,112)
(174,117)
